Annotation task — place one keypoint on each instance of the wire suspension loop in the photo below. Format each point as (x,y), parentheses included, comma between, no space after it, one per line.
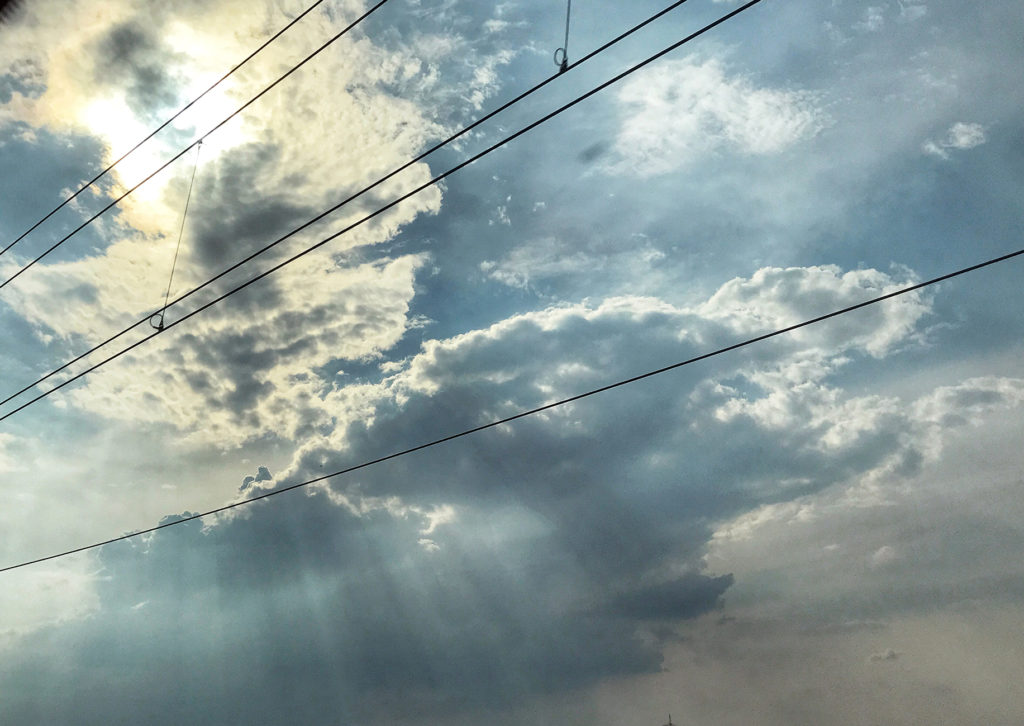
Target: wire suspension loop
(562,54)
(159,324)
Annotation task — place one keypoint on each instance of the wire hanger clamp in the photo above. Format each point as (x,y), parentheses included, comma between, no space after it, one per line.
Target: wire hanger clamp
(561,56)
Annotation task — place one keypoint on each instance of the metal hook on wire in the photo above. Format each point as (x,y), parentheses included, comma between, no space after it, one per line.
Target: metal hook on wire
(562,54)
(156,320)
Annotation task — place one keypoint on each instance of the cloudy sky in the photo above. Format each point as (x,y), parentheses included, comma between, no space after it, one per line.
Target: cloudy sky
(826,528)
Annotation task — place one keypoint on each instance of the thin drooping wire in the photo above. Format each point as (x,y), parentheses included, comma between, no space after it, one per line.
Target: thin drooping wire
(563,64)
(184,151)
(532,411)
(181,232)
(162,126)
(349,199)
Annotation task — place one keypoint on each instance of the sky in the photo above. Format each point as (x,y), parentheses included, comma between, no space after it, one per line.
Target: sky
(824,528)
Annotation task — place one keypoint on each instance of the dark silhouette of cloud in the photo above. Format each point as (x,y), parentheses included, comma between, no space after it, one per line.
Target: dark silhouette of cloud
(133,54)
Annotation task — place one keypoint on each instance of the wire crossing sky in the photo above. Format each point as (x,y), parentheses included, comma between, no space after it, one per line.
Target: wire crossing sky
(532,412)
(805,524)
(380,210)
(394,172)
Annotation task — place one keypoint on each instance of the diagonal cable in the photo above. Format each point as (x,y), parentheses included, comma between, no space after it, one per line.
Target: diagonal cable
(393,203)
(184,151)
(530,412)
(349,199)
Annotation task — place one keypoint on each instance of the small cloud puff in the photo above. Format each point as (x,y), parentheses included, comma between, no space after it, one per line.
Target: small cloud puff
(429,545)
(262,474)
(883,556)
(960,136)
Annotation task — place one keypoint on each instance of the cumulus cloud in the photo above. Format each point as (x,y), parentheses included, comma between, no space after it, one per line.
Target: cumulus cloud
(774,298)
(253,183)
(253,372)
(542,556)
(262,475)
(681,110)
(884,555)
(875,537)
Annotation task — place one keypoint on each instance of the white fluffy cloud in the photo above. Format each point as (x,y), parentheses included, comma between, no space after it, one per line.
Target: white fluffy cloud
(254,372)
(253,184)
(784,388)
(960,136)
(885,525)
(775,298)
(681,110)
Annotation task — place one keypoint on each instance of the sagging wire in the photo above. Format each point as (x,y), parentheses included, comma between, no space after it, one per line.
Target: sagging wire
(159,324)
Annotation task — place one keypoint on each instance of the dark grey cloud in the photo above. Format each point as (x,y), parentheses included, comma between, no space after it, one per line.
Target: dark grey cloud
(241,204)
(685,597)
(262,474)
(133,54)
(593,152)
(10,9)
(335,611)
(555,564)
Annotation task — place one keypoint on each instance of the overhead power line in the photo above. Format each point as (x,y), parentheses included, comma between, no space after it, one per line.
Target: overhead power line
(191,146)
(164,125)
(532,411)
(340,204)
